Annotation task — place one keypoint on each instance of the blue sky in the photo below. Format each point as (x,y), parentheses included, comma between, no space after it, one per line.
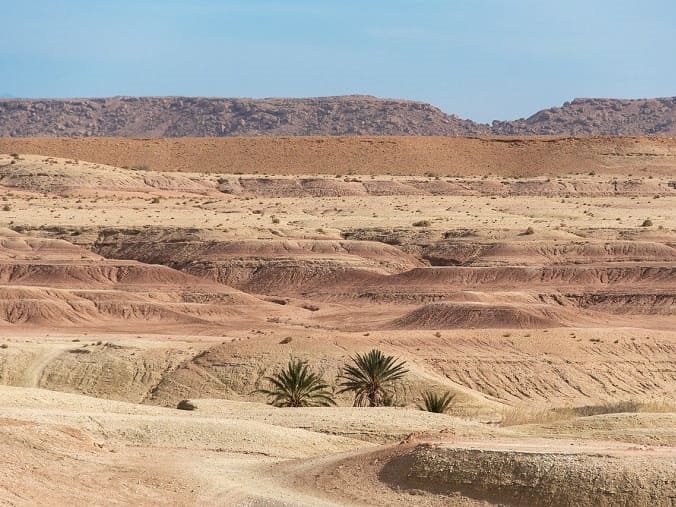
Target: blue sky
(482,59)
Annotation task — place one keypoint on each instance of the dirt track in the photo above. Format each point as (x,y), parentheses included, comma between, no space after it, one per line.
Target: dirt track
(443,156)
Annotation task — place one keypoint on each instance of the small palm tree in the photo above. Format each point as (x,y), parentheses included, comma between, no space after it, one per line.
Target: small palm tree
(370,377)
(438,403)
(297,386)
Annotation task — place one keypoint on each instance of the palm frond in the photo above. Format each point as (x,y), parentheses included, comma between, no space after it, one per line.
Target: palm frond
(297,386)
(370,377)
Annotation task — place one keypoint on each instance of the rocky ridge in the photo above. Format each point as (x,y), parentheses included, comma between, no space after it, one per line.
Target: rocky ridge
(220,117)
(153,117)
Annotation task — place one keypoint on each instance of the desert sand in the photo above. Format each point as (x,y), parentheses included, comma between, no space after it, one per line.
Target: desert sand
(540,293)
(368,155)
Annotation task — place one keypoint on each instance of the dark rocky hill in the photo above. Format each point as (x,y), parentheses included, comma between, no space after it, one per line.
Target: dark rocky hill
(217,117)
(344,115)
(613,117)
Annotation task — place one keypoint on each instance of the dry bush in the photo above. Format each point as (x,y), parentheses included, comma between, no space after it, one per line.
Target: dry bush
(79,351)
(520,415)
(658,406)
(617,407)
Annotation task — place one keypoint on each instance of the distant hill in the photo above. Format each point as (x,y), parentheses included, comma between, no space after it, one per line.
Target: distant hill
(217,117)
(343,115)
(612,117)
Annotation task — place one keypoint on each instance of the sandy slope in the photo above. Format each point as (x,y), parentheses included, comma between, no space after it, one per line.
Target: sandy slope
(242,453)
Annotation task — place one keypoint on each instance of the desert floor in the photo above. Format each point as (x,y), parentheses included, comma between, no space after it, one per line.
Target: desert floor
(545,301)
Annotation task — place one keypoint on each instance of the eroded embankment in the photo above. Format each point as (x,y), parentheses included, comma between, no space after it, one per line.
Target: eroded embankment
(537,477)
(521,284)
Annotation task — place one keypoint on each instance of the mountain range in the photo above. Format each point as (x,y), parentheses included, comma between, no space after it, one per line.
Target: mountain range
(341,115)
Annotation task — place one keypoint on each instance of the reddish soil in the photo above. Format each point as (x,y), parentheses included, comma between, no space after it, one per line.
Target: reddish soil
(443,156)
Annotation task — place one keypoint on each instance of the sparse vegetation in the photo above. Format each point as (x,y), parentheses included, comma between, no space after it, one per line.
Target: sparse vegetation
(297,386)
(607,408)
(371,377)
(647,223)
(521,415)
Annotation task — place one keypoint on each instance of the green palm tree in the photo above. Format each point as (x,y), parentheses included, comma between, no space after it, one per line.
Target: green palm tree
(297,386)
(438,403)
(370,377)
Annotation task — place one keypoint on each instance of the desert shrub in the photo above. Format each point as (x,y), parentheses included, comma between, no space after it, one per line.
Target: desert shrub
(647,223)
(422,223)
(286,340)
(79,351)
(371,377)
(437,403)
(658,406)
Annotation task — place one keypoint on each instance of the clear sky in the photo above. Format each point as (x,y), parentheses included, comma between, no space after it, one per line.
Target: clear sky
(482,59)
